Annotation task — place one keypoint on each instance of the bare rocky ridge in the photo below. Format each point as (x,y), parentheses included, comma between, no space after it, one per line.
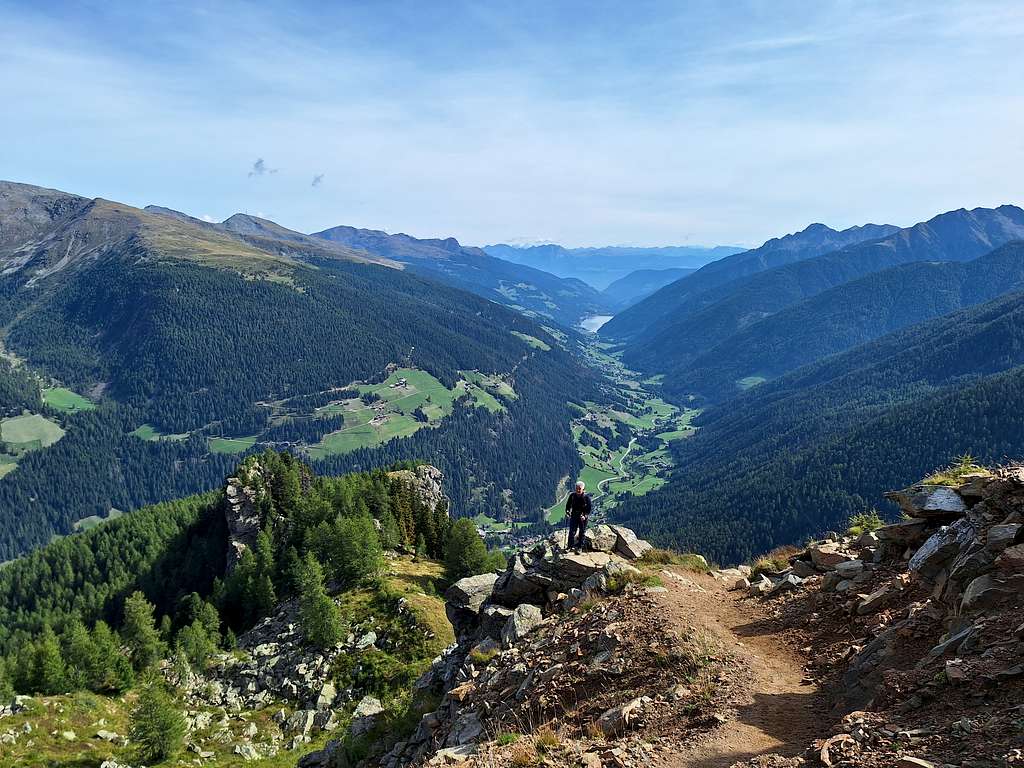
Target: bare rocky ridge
(916,628)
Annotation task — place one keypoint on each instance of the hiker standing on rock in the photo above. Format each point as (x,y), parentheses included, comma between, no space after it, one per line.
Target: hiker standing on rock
(577,509)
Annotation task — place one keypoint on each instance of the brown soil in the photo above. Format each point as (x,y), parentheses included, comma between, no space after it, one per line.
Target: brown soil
(776,709)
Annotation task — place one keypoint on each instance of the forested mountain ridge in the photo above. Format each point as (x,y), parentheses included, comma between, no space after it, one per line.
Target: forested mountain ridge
(535,292)
(720,312)
(799,454)
(815,240)
(847,315)
(640,284)
(284,598)
(186,334)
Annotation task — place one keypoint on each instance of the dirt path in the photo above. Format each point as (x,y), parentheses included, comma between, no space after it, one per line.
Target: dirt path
(775,711)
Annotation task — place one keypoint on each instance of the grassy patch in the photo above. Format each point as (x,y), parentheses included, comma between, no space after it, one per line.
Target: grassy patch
(774,561)
(65,400)
(148,432)
(533,341)
(87,523)
(617,582)
(26,433)
(690,562)
(398,397)
(954,473)
(231,444)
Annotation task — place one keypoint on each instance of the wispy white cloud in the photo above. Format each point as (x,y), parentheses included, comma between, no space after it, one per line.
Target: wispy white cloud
(653,124)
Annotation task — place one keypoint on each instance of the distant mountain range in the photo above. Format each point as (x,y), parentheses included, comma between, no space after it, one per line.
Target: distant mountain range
(831,378)
(850,314)
(183,333)
(679,297)
(703,317)
(800,454)
(600,267)
(533,291)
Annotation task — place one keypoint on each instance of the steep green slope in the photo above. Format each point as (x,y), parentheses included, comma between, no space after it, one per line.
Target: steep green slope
(850,314)
(799,454)
(194,332)
(719,313)
(683,295)
(524,288)
(641,283)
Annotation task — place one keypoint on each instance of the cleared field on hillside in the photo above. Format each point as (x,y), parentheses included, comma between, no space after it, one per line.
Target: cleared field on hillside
(398,397)
(65,400)
(533,341)
(231,444)
(26,433)
(148,432)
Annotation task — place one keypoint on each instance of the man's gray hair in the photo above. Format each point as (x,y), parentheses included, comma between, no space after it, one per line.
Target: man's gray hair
(580,484)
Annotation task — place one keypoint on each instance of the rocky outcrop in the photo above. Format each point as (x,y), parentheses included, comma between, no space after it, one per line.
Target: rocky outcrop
(428,481)
(242,512)
(919,622)
(508,643)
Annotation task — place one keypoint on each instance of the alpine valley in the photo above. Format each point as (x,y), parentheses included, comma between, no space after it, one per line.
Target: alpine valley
(242,464)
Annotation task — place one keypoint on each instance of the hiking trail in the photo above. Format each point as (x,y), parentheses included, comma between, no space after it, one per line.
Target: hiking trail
(777,710)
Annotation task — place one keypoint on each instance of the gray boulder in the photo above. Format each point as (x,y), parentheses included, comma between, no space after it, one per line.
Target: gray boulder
(575,567)
(601,538)
(493,619)
(629,545)
(1011,560)
(987,592)
(1001,537)
(471,592)
(619,719)
(941,548)
(804,569)
(828,555)
(515,585)
(367,714)
(523,620)
(906,533)
(788,583)
(931,502)
(850,569)
(463,600)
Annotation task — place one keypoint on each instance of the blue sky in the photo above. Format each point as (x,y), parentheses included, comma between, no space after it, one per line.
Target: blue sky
(581,123)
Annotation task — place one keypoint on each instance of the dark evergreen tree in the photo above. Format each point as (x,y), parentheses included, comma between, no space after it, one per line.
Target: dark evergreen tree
(319,617)
(157,724)
(139,632)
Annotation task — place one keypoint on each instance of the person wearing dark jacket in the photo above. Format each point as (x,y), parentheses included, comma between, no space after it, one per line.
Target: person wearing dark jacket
(577,509)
